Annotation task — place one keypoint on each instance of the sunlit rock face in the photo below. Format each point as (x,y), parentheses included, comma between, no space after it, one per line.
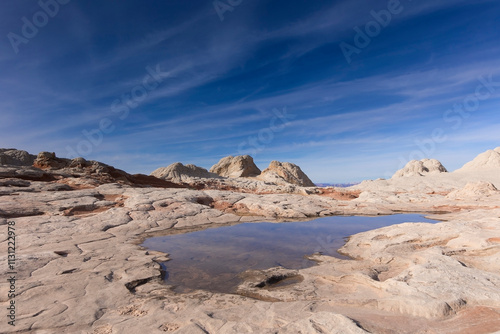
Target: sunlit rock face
(239,166)
(177,172)
(286,172)
(421,168)
(488,160)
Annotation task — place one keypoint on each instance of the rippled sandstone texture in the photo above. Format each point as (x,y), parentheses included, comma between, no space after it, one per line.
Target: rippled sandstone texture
(80,269)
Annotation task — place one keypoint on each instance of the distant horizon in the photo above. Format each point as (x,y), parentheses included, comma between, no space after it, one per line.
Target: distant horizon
(261,166)
(347,89)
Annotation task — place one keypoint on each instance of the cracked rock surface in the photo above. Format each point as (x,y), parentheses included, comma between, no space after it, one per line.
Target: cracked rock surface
(80,268)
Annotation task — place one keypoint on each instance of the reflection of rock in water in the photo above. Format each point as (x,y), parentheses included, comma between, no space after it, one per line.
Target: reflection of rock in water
(213,259)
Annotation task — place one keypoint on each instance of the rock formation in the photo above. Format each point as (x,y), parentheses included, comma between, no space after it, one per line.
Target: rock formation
(76,173)
(485,161)
(238,174)
(80,267)
(15,157)
(177,172)
(479,190)
(421,168)
(49,160)
(239,166)
(286,172)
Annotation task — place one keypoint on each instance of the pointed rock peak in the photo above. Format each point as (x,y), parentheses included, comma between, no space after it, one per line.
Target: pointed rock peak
(239,166)
(286,172)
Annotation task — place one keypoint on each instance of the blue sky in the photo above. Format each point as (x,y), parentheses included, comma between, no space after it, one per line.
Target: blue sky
(143,84)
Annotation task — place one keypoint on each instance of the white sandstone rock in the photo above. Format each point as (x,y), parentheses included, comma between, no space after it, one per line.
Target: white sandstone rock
(420,168)
(286,173)
(239,166)
(177,172)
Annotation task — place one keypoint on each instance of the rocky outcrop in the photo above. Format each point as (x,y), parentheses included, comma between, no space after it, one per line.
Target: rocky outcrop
(421,168)
(80,268)
(286,172)
(239,166)
(77,173)
(478,190)
(177,172)
(238,174)
(15,157)
(49,160)
(489,160)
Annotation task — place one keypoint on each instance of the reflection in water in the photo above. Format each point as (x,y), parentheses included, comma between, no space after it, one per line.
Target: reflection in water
(212,259)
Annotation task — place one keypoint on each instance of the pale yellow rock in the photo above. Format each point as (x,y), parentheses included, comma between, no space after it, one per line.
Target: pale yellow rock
(81,269)
(239,166)
(489,160)
(285,173)
(177,172)
(420,168)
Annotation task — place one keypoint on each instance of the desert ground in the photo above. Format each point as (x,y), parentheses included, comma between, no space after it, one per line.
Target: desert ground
(79,266)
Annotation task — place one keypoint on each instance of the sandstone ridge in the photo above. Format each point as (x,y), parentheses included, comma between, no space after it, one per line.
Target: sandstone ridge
(489,160)
(15,157)
(77,173)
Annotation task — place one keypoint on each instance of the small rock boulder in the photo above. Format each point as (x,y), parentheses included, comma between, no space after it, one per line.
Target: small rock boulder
(420,168)
(240,166)
(286,173)
(177,172)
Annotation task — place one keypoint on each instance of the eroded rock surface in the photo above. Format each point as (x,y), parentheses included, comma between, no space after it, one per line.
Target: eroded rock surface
(286,172)
(80,268)
(15,157)
(476,190)
(239,166)
(420,168)
(177,172)
(489,160)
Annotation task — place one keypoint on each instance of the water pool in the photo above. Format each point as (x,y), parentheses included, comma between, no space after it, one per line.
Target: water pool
(212,259)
